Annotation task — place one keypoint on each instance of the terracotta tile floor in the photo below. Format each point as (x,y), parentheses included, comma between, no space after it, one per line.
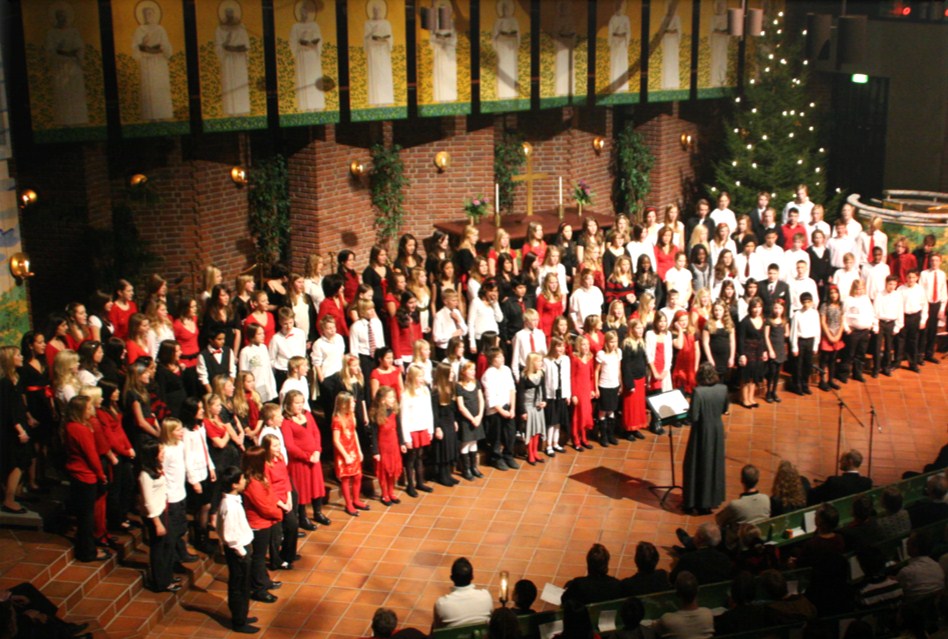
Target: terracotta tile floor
(538,522)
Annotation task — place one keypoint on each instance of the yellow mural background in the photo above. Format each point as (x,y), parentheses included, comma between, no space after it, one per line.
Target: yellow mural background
(655,54)
(284,18)
(580,15)
(358,70)
(425,63)
(488,16)
(604,93)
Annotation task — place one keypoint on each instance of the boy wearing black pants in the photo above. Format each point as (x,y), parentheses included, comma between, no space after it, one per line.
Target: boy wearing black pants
(236,537)
(804,342)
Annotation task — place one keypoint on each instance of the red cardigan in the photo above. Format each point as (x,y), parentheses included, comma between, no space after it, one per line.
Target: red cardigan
(82,462)
(112,426)
(261,505)
(279,478)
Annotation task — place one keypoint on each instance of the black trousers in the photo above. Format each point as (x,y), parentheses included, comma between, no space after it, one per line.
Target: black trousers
(82,500)
(803,364)
(283,539)
(259,577)
(121,495)
(885,346)
(930,334)
(909,339)
(160,552)
(238,584)
(854,355)
(178,528)
(502,434)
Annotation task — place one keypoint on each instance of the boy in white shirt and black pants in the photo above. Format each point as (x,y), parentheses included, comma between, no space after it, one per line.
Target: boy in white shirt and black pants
(236,537)
(804,342)
(500,396)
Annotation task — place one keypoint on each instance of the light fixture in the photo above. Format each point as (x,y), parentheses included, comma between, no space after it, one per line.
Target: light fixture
(527,148)
(504,587)
(442,160)
(599,143)
(28,197)
(20,266)
(357,168)
(239,175)
(754,23)
(687,141)
(735,22)
(137,180)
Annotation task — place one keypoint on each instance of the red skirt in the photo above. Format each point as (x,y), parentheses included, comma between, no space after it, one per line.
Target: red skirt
(634,415)
(420,438)
(308,480)
(659,364)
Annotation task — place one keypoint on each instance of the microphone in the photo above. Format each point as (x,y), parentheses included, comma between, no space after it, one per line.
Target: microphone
(819,370)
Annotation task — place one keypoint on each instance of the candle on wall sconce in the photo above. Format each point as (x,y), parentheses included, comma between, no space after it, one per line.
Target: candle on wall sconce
(20,266)
(504,587)
(28,197)
(357,169)
(687,142)
(442,160)
(239,175)
(137,180)
(599,143)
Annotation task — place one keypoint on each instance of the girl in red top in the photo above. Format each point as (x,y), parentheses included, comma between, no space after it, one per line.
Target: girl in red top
(334,304)
(85,473)
(348,456)
(56,330)
(263,514)
(489,340)
(79,330)
(535,242)
(247,404)
(387,451)
(405,328)
(260,302)
(501,247)
(347,260)
(393,295)
(385,373)
(121,497)
(550,303)
(304,447)
(592,329)
(123,308)
(686,358)
(137,345)
(283,538)
(561,329)
(107,458)
(665,251)
(582,367)
(186,332)
(901,262)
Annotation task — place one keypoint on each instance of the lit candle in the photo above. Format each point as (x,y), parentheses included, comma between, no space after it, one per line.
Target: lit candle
(496,197)
(561,190)
(504,575)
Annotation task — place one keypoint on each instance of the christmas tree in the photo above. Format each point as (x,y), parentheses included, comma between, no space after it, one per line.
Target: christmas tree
(772,141)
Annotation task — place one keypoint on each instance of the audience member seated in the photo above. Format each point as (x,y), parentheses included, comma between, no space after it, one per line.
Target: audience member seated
(742,613)
(648,578)
(895,521)
(632,613)
(503,625)
(752,506)
(848,482)
(690,621)
(863,530)
(921,576)
(384,622)
(706,563)
(784,608)
(879,588)
(933,507)
(789,491)
(576,621)
(465,604)
(754,555)
(524,594)
(597,585)
(829,588)
(28,613)
(940,462)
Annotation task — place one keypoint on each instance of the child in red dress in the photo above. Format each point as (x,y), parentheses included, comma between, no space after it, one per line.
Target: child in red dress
(387,451)
(348,453)
(686,358)
(582,366)
(304,447)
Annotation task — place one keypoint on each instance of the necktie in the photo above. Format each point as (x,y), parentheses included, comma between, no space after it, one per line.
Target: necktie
(747,268)
(772,289)
(216,351)
(559,381)
(533,344)
(872,245)
(371,338)
(523,307)
(935,288)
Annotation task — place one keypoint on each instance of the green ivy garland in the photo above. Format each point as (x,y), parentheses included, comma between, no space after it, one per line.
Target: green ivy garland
(631,162)
(508,159)
(269,200)
(387,183)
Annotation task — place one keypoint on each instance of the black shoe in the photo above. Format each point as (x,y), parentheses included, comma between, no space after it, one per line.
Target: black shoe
(914,368)
(683,537)
(579,449)
(411,492)
(512,464)
(264,597)
(638,434)
(396,500)
(807,391)
(769,398)
(874,374)
(500,465)
(173,588)
(549,452)
(13,511)
(834,385)
(275,585)
(588,446)
(467,474)
(532,463)
(612,439)
(887,372)
(931,359)
(322,519)
(246,629)
(76,628)
(189,557)
(300,534)
(425,488)
(775,398)
(658,430)
(823,387)
(362,507)
(558,449)
(306,524)
(859,378)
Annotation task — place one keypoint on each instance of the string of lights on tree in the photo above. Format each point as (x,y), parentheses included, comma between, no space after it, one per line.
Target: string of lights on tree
(771,142)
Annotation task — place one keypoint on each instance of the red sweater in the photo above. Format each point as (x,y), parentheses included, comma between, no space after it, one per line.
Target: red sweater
(403,339)
(329,307)
(261,505)
(112,425)
(82,462)
(279,478)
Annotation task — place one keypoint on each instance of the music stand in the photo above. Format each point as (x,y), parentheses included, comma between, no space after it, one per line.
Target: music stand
(668,408)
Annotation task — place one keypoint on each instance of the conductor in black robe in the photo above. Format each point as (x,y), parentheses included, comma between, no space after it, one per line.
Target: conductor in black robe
(703,476)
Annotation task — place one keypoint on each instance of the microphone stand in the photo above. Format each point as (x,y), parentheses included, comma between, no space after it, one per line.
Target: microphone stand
(839,432)
(873,424)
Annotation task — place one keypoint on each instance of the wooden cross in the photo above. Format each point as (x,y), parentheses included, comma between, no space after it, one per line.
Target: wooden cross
(529,177)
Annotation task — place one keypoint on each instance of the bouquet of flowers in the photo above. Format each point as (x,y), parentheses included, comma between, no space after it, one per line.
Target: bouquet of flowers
(582,193)
(476,208)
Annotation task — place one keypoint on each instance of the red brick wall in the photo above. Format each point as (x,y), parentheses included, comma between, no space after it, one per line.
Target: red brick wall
(673,173)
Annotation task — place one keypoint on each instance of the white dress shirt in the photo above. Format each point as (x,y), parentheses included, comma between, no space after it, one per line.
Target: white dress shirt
(255,359)
(154,494)
(555,372)
(805,209)
(933,281)
(233,528)
(725,216)
(715,250)
(497,384)
(637,250)
(876,239)
(890,307)
(522,347)
(218,357)
(276,432)
(844,279)
(446,322)
(858,313)
(583,303)
(769,255)
(482,317)
(610,368)
(814,226)
(914,301)
(799,286)
(788,269)
(416,412)
(359,336)
(175,469)
(680,280)
(197,458)
(751,266)
(327,355)
(283,347)
(838,248)
(803,325)
(464,605)
(873,275)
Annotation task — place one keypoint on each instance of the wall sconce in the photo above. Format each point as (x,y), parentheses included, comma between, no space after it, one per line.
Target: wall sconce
(442,160)
(504,588)
(599,143)
(358,169)
(20,266)
(137,180)
(527,148)
(687,142)
(28,197)
(239,175)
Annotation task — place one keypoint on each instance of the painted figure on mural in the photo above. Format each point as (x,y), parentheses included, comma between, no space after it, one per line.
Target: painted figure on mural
(506,41)
(564,43)
(619,33)
(719,44)
(232,45)
(378,54)
(65,50)
(671,45)
(306,42)
(444,49)
(152,49)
